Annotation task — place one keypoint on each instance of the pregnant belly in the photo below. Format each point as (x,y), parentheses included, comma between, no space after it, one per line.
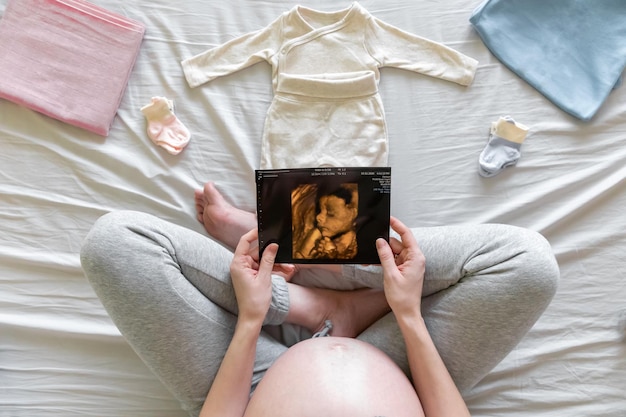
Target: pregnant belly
(334,376)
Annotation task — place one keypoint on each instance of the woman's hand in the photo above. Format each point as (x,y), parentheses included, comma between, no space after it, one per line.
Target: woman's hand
(252,278)
(403,270)
(287,271)
(404,266)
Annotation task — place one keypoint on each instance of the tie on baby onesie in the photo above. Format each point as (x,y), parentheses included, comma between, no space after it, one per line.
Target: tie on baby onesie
(503,148)
(164,128)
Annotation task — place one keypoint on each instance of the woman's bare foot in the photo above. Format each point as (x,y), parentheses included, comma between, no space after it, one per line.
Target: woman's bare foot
(350,312)
(354,311)
(221,219)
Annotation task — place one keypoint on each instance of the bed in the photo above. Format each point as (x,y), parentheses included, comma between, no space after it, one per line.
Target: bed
(60,355)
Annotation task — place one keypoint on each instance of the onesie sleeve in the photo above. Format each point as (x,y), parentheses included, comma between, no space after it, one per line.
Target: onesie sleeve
(234,55)
(393,47)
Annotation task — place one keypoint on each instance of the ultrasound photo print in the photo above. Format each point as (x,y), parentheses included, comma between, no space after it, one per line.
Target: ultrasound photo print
(324,221)
(324,215)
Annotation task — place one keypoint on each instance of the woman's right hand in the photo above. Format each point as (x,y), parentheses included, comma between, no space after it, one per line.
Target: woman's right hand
(404,266)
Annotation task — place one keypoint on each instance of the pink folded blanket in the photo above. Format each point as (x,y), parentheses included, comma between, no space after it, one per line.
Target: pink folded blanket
(67,59)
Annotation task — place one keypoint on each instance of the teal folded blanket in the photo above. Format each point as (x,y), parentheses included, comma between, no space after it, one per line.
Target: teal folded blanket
(572,51)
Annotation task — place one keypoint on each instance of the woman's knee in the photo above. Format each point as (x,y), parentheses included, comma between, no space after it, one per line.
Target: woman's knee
(539,271)
(107,237)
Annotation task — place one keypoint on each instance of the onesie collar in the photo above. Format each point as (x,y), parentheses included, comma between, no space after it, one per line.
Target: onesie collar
(340,16)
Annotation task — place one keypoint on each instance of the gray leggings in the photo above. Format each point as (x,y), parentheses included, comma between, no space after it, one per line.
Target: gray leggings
(168,291)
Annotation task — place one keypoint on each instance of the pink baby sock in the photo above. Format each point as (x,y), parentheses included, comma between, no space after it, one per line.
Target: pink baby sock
(164,128)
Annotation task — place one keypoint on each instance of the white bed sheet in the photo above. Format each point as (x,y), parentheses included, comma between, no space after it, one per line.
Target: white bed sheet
(60,355)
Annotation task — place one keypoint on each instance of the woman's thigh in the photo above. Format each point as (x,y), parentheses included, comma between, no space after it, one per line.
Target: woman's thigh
(168,291)
(485,286)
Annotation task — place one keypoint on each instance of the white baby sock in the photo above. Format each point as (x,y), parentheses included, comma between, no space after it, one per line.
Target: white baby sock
(503,149)
(164,128)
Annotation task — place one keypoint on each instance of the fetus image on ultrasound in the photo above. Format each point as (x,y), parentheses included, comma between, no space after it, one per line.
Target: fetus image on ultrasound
(324,221)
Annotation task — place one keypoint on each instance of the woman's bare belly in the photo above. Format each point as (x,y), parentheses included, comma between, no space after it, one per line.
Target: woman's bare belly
(334,376)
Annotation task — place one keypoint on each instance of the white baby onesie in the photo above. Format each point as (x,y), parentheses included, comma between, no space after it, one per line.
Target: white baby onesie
(326,109)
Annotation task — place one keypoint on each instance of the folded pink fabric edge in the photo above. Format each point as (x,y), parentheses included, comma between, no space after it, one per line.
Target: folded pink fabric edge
(104,14)
(100,125)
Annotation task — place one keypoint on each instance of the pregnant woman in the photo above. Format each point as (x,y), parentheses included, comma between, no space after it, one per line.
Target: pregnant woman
(230,334)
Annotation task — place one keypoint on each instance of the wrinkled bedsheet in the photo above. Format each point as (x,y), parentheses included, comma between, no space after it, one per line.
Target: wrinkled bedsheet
(60,354)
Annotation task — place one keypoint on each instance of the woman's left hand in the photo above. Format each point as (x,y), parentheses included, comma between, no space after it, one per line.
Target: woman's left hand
(287,271)
(252,278)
